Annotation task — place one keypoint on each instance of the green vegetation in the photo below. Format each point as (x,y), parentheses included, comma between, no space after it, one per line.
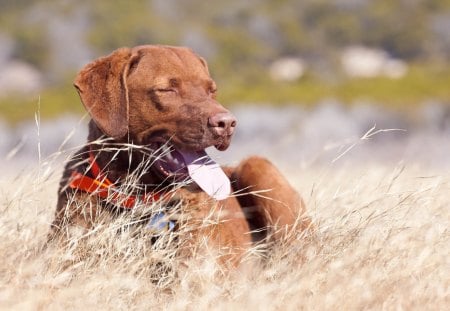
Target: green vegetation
(421,84)
(50,104)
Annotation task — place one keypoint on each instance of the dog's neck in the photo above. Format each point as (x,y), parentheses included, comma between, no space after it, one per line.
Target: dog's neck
(118,159)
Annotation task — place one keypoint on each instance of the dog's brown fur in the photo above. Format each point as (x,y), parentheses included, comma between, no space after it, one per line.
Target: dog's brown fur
(137,95)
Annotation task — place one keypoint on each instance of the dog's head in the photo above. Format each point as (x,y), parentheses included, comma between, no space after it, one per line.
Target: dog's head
(156,95)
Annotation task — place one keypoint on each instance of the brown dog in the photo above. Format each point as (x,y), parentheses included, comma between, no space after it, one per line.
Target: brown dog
(161,100)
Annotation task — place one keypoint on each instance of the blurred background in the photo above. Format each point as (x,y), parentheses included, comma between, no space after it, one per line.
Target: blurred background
(311,81)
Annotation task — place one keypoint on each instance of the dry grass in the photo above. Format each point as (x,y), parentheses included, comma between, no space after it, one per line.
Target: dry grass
(382,243)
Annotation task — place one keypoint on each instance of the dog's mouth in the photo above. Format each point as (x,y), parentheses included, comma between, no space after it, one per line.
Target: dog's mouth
(170,162)
(180,166)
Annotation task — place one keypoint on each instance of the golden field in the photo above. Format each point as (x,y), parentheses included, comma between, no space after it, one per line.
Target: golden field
(382,242)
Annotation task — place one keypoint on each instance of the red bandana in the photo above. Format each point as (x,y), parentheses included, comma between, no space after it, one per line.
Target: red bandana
(101,186)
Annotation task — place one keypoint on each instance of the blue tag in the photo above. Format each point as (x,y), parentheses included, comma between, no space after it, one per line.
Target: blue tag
(159,223)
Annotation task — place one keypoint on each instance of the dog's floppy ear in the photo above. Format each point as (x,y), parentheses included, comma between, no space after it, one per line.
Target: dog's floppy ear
(103,91)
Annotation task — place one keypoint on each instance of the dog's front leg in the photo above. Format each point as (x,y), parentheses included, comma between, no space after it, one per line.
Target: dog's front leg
(273,207)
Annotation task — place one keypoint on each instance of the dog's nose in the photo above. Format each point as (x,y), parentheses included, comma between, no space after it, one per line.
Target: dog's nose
(223,123)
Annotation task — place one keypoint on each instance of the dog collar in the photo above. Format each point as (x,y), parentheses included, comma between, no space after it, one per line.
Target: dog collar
(101,186)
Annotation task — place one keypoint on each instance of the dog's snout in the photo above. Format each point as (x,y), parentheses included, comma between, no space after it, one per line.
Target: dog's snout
(222,123)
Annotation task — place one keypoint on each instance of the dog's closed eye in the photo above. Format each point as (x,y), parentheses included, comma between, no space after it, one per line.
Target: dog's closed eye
(171,87)
(166,90)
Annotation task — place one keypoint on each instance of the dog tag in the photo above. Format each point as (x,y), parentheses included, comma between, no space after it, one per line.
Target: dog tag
(159,223)
(207,174)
